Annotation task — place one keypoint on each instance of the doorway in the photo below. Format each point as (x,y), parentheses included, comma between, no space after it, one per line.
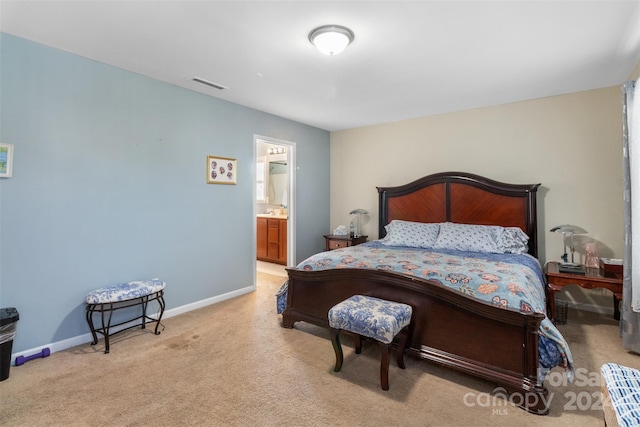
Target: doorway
(274,204)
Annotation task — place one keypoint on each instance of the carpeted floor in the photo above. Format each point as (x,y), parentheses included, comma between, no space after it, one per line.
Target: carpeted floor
(231,364)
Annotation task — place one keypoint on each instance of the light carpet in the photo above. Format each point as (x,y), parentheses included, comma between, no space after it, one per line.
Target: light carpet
(232,364)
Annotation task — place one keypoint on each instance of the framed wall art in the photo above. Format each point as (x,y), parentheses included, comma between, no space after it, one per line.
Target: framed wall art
(6,160)
(221,170)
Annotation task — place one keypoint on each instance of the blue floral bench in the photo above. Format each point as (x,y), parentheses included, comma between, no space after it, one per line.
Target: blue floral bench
(374,318)
(105,301)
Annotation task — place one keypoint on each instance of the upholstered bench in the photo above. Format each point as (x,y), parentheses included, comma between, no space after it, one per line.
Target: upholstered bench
(116,297)
(374,318)
(620,395)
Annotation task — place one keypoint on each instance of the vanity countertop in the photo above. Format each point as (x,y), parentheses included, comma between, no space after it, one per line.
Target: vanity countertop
(275,216)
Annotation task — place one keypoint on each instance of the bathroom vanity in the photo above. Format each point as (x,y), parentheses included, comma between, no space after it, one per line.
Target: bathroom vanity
(272,238)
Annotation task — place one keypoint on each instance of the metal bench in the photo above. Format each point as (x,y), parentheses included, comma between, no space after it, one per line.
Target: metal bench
(105,301)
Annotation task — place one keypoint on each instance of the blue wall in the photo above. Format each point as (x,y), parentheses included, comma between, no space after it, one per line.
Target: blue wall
(109,186)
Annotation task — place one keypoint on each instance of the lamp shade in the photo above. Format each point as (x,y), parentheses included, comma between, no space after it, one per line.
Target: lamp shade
(568,228)
(358,211)
(331,39)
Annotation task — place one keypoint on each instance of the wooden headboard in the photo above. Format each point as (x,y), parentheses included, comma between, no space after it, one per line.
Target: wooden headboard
(462,198)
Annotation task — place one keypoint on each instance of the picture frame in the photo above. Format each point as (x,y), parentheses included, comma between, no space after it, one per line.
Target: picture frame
(221,170)
(6,160)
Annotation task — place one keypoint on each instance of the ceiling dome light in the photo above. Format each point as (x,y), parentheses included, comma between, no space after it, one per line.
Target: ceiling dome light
(331,39)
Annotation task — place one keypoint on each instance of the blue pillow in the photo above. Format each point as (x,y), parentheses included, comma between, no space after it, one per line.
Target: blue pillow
(482,238)
(468,237)
(513,240)
(410,234)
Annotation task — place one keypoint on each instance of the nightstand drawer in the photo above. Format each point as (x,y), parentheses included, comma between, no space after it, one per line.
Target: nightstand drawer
(336,244)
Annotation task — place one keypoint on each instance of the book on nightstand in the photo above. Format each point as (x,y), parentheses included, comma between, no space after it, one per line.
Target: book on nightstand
(571,268)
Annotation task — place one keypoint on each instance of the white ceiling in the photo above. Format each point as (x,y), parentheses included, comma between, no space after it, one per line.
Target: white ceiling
(409,58)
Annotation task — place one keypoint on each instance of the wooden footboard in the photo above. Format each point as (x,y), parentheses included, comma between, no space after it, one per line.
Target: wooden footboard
(503,347)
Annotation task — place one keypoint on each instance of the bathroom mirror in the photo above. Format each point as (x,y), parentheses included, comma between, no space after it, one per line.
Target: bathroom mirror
(278,187)
(261,180)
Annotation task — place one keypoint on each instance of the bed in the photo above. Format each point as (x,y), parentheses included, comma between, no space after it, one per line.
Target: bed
(484,338)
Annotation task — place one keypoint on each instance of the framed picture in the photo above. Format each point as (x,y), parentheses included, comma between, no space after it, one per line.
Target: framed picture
(221,170)
(6,160)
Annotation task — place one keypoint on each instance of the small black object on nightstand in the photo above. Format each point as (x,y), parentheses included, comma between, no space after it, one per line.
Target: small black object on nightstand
(571,268)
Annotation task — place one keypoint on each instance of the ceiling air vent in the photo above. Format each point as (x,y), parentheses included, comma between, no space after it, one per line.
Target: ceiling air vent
(208,83)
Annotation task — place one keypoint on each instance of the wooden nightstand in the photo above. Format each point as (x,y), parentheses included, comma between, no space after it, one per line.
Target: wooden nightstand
(337,242)
(593,278)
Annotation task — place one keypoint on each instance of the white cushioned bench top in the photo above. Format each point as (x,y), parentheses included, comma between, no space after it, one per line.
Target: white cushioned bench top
(125,291)
(623,385)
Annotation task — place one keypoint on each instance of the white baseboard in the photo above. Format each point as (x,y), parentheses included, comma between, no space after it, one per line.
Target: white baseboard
(85,338)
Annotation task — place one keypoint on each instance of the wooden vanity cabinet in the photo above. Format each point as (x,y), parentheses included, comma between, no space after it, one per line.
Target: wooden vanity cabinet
(272,240)
(262,238)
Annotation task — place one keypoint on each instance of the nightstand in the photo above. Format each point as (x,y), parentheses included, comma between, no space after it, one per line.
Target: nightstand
(337,242)
(593,278)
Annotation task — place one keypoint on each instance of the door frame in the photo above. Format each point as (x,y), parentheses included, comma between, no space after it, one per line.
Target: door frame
(291,206)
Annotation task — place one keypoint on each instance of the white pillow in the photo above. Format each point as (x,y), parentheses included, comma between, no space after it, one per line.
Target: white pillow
(411,234)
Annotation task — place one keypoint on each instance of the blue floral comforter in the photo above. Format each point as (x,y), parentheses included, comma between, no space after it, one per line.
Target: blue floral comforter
(508,281)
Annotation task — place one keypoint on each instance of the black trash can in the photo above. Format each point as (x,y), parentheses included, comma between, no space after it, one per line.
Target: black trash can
(562,309)
(8,318)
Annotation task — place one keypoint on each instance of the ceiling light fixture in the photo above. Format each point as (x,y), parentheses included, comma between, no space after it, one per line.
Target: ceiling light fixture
(331,39)
(209,83)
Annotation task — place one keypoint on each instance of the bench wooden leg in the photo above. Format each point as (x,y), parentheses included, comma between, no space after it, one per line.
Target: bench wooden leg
(358,343)
(402,344)
(384,365)
(337,348)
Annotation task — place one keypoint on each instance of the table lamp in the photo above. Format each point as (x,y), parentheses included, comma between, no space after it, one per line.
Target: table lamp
(357,229)
(568,231)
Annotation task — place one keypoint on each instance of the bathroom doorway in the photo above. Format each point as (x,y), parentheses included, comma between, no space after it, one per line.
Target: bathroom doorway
(274,205)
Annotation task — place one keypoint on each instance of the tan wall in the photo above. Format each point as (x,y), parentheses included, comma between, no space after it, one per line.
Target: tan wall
(571,144)
(635,74)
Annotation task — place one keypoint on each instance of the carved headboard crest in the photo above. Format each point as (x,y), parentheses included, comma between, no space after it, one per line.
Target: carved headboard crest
(462,198)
